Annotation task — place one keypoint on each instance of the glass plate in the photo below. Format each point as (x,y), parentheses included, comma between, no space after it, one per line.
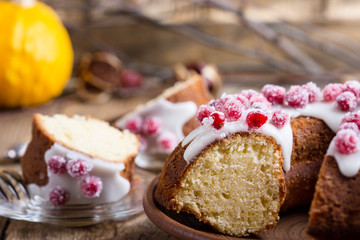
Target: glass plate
(38,210)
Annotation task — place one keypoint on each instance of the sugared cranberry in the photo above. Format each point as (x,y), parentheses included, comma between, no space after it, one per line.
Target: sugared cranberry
(233,109)
(331,91)
(152,126)
(297,97)
(256,118)
(167,141)
(313,90)
(218,104)
(244,100)
(130,78)
(346,101)
(274,94)
(218,119)
(57,164)
(352,117)
(78,168)
(346,141)
(279,118)
(249,93)
(204,112)
(349,125)
(134,124)
(352,86)
(58,196)
(91,186)
(260,99)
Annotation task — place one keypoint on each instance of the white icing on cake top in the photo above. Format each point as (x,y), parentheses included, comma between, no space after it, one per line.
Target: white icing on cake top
(114,185)
(172,117)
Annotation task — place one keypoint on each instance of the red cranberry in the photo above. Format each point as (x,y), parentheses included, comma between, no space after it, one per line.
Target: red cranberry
(58,196)
(260,99)
(218,120)
(78,168)
(167,141)
(331,91)
(346,101)
(244,100)
(352,86)
(255,119)
(130,78)
(134,124)
(297,97)
(313,90)
(279,118)
(204,112)
(352,117)
(346,141)
(350,125)
(57,164)
(152,126)
(233,109)
(249,93)
(91,186)
(274,94)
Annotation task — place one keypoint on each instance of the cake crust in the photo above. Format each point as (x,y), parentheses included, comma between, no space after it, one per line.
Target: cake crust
(335,212)
(33,164)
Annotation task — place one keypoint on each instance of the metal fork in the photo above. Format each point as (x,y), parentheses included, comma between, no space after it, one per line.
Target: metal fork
(12,186)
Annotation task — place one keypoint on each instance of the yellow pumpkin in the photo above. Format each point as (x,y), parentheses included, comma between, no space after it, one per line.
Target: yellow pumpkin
(36,55)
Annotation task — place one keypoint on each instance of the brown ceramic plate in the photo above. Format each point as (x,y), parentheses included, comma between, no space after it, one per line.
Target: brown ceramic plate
(292,225)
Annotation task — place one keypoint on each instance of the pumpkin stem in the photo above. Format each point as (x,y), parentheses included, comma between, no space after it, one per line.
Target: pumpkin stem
(25,3)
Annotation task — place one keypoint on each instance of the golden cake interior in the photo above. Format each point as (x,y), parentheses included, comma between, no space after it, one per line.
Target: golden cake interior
(78,132)
(236,184)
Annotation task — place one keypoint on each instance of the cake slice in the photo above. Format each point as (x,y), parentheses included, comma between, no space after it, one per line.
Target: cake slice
(76,160)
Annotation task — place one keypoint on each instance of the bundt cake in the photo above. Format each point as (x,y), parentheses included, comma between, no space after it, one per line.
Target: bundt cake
(164,121)
(78,160)
(256,153)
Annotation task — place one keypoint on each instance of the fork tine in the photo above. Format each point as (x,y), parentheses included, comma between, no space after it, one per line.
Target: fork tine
(2,194)
(16,176)
(9,185)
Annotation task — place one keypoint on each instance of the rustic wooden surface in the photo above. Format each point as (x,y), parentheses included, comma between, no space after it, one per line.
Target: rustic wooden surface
(15,126)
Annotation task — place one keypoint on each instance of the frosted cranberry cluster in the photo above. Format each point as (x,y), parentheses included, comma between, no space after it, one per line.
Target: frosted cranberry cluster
(149,128)
(79,169)
(347,138)
(255,107)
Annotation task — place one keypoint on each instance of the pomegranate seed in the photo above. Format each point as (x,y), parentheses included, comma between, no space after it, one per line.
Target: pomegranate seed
(134,124)
(313,90)
(297,97)
(350,125)
(152,126)
(274,94)
(352,86)
(204,112)
(279,118)
(91,186)
(233,109)
(130,78)
(57,164)
(255,119)
(346,141)
(331,91)
(218,120)
(346,101)
(58,196)
(352,117)
(167,141)
(249,93)
(78,168)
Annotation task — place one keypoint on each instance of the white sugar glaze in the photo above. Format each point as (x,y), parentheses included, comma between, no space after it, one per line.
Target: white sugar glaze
(205,135)
(114,185)
(173,117)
